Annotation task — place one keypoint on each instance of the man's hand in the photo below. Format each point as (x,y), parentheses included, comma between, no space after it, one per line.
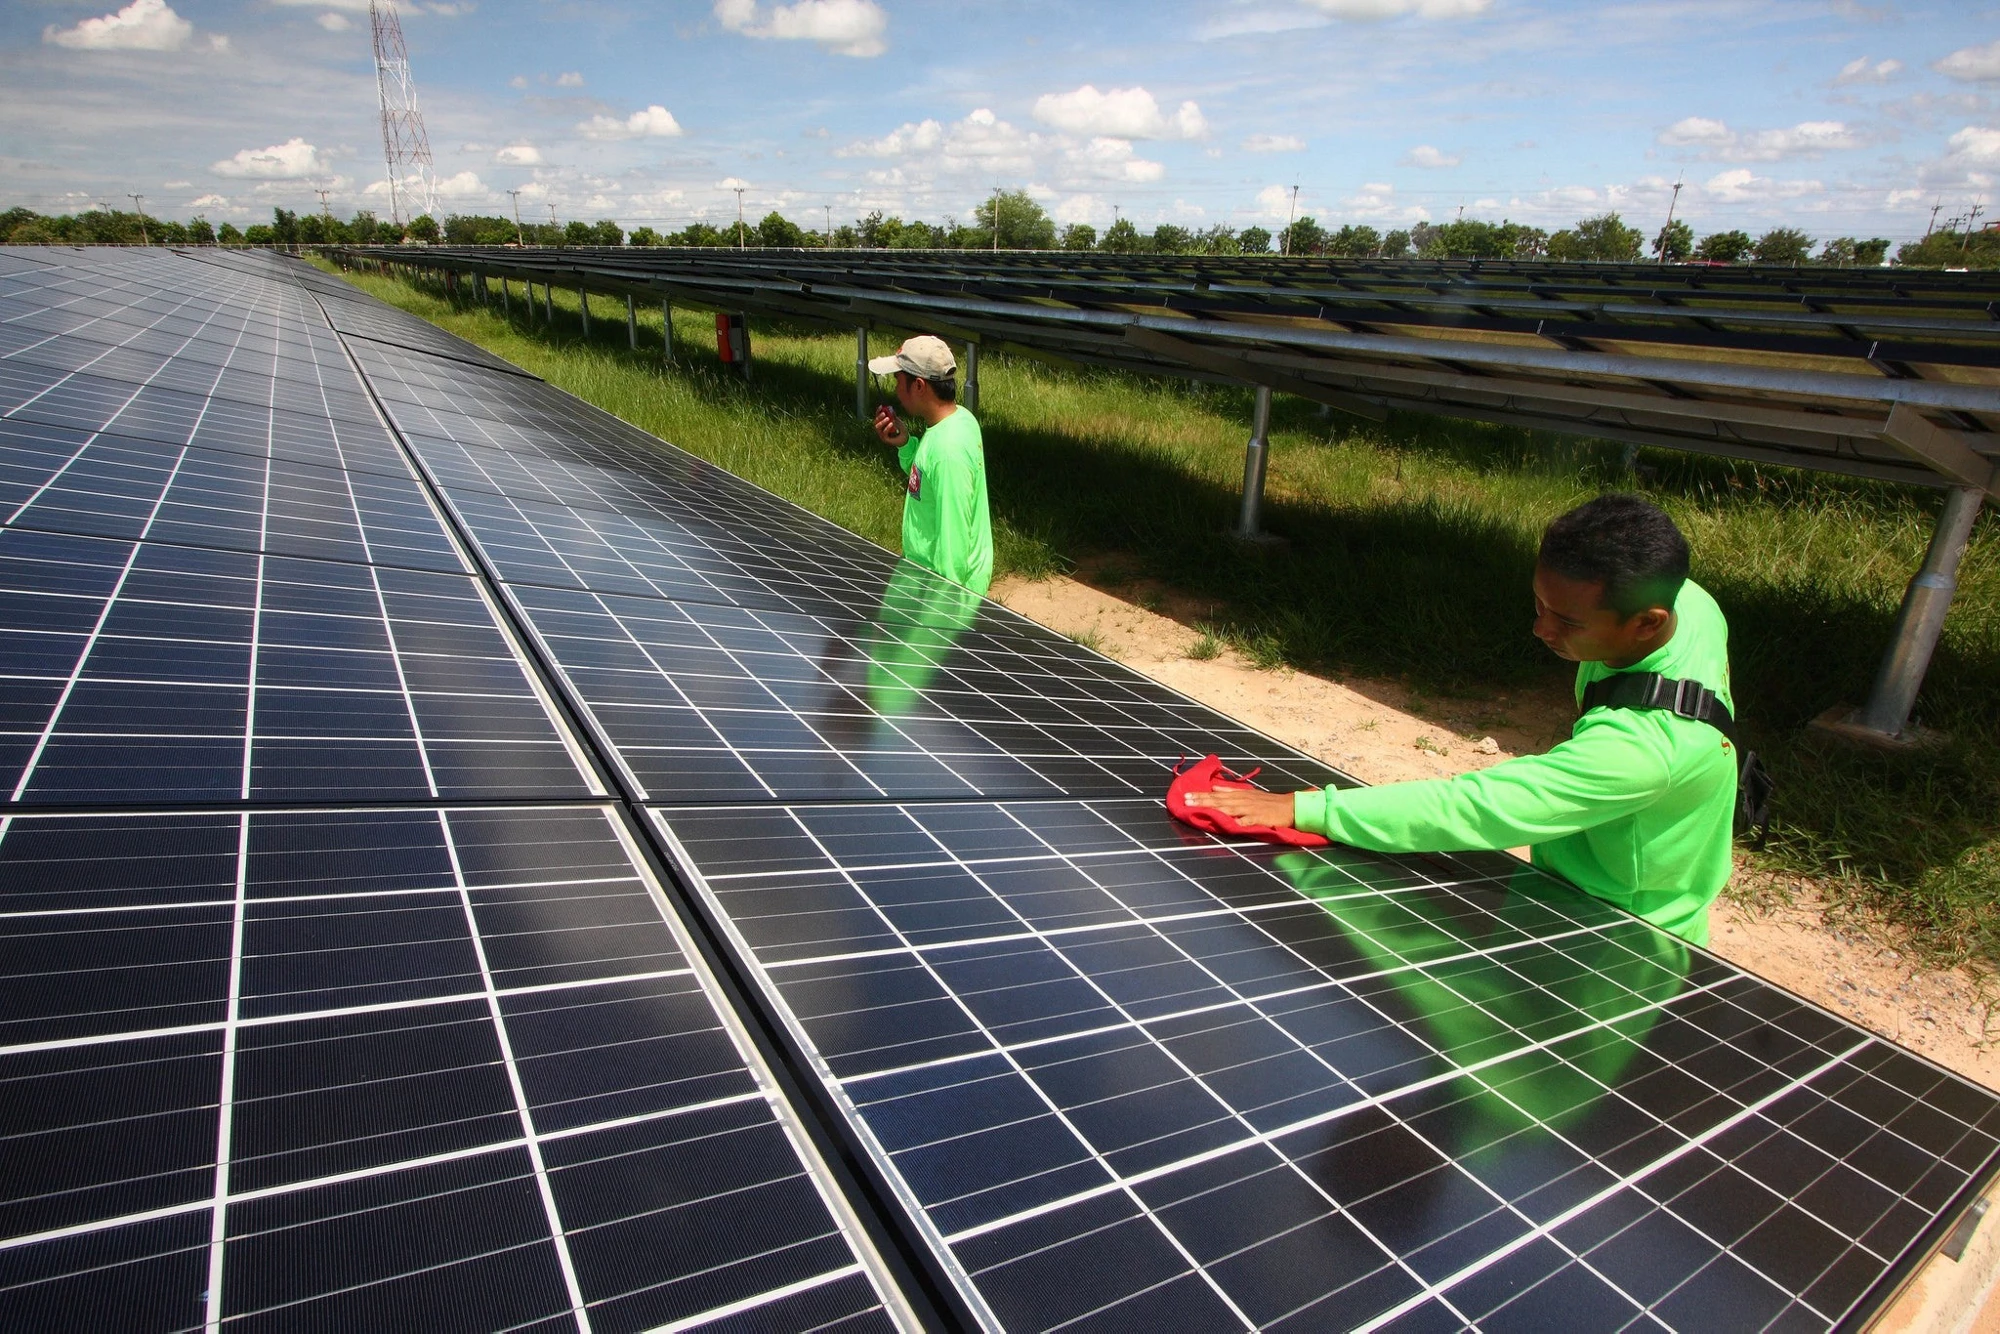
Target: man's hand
(1262,810)
(890,428)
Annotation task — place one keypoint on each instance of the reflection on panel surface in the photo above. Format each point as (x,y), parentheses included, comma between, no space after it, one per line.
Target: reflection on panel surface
(1316,1089)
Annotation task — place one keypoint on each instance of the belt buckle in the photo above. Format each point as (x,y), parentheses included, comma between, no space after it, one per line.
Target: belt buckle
(1687,698)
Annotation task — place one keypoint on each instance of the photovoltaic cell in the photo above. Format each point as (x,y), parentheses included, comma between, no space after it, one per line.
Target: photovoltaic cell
(438,1049)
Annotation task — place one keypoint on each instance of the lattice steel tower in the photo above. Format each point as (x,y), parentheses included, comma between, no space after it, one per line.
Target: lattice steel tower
(412,183)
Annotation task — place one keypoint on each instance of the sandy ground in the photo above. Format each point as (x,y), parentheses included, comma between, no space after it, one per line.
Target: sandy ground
(1382,731)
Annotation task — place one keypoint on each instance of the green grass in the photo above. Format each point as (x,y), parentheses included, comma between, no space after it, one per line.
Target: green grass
(1408,550)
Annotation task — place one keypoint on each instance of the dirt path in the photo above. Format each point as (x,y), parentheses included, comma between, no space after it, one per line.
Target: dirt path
(1383,732)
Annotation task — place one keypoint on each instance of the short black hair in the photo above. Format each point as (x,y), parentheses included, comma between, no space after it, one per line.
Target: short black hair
(946,389)
(1625,542)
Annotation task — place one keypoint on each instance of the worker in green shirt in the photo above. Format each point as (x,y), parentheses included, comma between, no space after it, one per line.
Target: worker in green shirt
(1638,806)
(946,526)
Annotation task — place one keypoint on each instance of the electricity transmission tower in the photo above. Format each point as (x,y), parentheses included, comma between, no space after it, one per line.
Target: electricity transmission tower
(412,183)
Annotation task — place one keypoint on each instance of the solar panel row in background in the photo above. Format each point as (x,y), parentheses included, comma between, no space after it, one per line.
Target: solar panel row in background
(1122,1075)
(336,994)
(1108,1072)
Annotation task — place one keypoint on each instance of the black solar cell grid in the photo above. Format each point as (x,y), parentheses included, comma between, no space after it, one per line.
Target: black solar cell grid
(400,1057)
(430,1068)
(139,671)
(1133,1077)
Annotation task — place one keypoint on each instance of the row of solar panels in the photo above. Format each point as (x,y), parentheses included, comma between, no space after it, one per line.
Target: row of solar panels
(1764,366)
(471,865)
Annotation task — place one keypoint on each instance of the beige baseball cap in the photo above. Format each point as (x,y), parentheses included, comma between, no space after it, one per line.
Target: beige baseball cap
(925,357)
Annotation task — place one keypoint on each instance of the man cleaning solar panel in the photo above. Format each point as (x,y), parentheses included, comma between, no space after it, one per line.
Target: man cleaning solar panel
(946,526)
(1639,806)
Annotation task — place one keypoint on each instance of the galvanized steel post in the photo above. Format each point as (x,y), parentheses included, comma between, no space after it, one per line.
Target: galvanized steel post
(1248,518)
(583,304)
(972,376)
(506,301)
(861,372)
(549,303)
(667,331)
(1921,619)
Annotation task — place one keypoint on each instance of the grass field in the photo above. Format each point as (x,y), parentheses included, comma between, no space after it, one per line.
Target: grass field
(1408,555)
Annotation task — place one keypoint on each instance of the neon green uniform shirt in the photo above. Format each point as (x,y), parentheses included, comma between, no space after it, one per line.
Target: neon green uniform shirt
(1637,807)
(946,526)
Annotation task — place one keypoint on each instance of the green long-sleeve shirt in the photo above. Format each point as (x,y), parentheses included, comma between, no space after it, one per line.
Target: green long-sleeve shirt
(946,524)
(1637,807)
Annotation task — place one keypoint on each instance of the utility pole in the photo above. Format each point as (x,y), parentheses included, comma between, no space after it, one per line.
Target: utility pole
(1971,221)
(829,226)
(996,219)
(139,203)
(739,215)
(520,234)
(406,147)
(1461,212)
(1670,218)
(325,209)
(1290,218)
(1931,226)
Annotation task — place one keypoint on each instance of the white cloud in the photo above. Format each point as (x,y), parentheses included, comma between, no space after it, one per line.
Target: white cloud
(293,160)
(143,25)
(1974,64)
(1423,155)
(519,155)
(981,142)
(1374,11)
(518,81)
(333,22)
(1109,159)
(464,185)
(655,122)
(1715,139)
(732,183)
(209,201)
(1274,143)
(845,27)
(1859,70)
(569,79)
(909,137)
(1743,186)
(1122,113)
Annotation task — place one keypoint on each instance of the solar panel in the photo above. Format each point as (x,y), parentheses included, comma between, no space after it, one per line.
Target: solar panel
(347,987)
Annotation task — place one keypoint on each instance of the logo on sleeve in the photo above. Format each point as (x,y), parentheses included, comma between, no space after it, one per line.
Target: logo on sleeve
(915,484)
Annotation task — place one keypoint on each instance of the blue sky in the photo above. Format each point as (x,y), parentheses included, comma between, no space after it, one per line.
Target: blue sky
(1839,116)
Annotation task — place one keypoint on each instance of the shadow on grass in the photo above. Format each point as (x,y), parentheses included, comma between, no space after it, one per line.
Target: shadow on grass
(1436,592)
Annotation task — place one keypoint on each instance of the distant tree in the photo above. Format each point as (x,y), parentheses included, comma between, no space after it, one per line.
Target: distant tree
(228,235)
(1395,245)
(776,231)
(199,231)
(1354,242)
(1674,243)
(1219,239)
(1122,238)
(1303,237)
(1604,238)
(1023,223)
(1839,252)
(644,236)
(285,226)
(1953,250)
(1468,238)
(363,229)
(845,237)
(1254,241)
(424,228)
(1869,254)
(702,234)
(259,233)
(1783,245)
(606,232)
(576,233)
(878,232)
(1079,236)
(1724,247)
(923,236)
(1526,242)
(313,229)
(16,217)
(1168,239)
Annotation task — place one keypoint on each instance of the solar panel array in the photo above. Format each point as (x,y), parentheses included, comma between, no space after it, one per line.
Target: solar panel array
(472,864)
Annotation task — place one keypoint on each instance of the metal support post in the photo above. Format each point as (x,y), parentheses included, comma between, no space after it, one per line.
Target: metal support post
(747,376)
(861,373)
(1921,619)
(1248,519)
(667,331)
(479,286)
(631,323)
(583,304)
(971,395)
(506,301)
(549,304)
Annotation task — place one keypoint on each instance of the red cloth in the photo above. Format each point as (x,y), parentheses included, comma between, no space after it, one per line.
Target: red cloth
(1208,775)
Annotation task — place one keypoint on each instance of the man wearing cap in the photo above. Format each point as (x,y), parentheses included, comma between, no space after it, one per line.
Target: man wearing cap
(946,526)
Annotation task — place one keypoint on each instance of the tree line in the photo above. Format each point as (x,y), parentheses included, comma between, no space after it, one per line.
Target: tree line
(1014,221)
